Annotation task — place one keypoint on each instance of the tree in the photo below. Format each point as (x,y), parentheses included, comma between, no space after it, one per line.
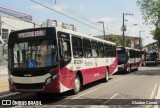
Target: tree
(156,35)
(119,41)
(151,14)
(153,46)
(150,11)
(128,42)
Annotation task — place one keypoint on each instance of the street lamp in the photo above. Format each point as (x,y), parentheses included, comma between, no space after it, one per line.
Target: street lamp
(131,28)
(140,38)
(103,28)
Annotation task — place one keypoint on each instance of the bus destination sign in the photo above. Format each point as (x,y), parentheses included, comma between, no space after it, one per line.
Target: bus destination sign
(32,34)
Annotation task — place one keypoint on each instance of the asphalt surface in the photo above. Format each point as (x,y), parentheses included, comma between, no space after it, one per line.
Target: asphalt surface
(122,88)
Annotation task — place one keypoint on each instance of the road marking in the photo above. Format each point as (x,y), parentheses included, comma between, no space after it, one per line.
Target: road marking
(113,96)
(92,90)
(157,97)
(97,88)
(110,98)
(3,96)
(153,92)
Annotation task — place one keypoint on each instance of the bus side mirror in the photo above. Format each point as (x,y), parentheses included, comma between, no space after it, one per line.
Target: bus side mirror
(4,51)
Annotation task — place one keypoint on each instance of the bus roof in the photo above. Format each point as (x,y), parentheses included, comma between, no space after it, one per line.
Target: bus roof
(70,32)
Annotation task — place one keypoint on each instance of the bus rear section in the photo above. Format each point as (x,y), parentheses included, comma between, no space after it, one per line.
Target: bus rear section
(56,60)
(128,59)
(152,58)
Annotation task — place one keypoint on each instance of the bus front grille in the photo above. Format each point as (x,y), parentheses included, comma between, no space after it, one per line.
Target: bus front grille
(38,86)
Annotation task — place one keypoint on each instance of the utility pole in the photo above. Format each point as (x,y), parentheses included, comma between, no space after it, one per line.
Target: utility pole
(55,2)
(124,27)
(103,29)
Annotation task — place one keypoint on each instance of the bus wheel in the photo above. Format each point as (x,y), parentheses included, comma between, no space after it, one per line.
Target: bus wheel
(106,79)
(77,85)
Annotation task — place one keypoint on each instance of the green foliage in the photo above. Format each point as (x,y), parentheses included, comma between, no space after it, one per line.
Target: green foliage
(156,33)
(151,14)
(128,43)
(150,10)
(152,46)
(119,41)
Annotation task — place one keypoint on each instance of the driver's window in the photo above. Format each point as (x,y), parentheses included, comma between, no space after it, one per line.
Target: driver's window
(65,48)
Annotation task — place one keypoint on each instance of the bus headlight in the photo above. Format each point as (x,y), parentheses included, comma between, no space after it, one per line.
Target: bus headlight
(48,80)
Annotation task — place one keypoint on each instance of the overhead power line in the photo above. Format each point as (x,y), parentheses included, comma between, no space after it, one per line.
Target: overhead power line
(73,13)
(66,15)
(77,15)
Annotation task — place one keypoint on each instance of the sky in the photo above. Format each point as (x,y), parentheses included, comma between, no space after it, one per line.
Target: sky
(86,14)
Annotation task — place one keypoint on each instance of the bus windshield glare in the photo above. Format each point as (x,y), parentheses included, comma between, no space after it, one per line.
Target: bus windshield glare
(33,54)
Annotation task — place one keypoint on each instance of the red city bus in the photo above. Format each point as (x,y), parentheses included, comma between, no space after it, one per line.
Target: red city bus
(55,60)
(128,59)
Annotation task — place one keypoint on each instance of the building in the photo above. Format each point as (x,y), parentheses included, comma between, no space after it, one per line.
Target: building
(11,20)
(134,40)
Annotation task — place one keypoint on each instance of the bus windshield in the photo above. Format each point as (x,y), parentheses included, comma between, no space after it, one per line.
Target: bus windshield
(122,57)
(150,56)
(33,54)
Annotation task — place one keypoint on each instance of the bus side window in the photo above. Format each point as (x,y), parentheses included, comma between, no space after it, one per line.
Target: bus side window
(114,51)
(87,48)
(77,47)
(101,49)
(109,50)
(106,50)
(94,49)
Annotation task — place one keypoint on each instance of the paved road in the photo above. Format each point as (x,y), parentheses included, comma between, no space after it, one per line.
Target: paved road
(141,84)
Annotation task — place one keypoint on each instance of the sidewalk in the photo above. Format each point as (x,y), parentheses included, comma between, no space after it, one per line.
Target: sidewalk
(4,86)
(4,78)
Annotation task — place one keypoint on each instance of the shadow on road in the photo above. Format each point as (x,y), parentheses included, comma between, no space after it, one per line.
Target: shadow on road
(123,72)
(147,72)
(50,98)
(150,71)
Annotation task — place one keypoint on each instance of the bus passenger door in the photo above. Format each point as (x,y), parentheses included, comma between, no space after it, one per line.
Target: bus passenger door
(65,59)
(65,49)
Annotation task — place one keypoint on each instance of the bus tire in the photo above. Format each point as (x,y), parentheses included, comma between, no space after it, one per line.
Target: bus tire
(77,85)
(106,79)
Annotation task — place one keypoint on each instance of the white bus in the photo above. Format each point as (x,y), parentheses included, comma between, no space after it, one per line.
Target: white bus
(56,60)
